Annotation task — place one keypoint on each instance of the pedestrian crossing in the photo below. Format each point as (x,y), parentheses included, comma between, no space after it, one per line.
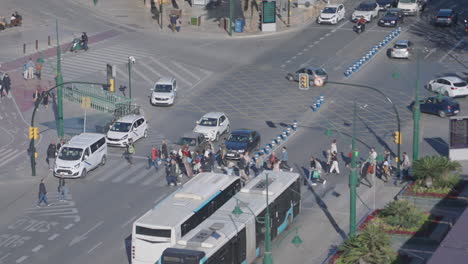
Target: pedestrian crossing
(8,155)
(147,69)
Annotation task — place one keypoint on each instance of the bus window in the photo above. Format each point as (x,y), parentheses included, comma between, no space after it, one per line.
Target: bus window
(153,232)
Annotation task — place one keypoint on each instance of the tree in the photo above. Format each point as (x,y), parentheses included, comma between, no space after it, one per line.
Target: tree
(434,169)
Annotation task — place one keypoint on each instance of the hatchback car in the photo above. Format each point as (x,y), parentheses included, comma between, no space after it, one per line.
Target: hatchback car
(164,92)
(313,72)
(212,125)
(442,106)
(446,17)
(386,4)
(367,10)
(240,141)
(451,86)
(130,127)
(392,18)
(401,49)
(331,14)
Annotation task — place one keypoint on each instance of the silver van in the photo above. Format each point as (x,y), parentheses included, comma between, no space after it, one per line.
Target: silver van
(80,155)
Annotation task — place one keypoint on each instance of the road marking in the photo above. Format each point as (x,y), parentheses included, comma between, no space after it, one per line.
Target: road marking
(142,174)
(36,249)
(310,46)
(450,51)
(129,173)
(294,57)
(171,71)
(68,226)
(430,52)
(186,70)
(151,69)
(282,66)
(300,53)
(112,173)
(129,221)
(152,179)
(288,61)
(5,161)
(23,258)
(93,248)
(328,34)
(334,30)
(143,76)
(305,49)
(82,237)
(4,257)
(321,38)
(52,237)
(315,42)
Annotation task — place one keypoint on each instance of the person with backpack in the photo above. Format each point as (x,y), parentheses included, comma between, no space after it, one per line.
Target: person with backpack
(316,172)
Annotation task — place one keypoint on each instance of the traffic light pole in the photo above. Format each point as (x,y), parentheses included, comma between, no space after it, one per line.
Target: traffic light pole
(353,179)
(58,84)
(129,78)
(231,7)
(416,111)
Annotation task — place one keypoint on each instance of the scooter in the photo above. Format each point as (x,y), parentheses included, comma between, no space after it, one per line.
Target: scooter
(77,45)
(359,28)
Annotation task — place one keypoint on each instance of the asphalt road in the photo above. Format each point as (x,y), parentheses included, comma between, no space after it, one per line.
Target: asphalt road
(243,78)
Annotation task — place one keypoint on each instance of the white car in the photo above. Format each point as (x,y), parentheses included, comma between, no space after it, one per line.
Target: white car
(164,92)
(367,10)
(331,14)
(451,86)
(212,125)
(401,49)
(130,127)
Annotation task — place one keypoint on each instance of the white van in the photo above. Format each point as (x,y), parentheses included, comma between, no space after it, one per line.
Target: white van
(130,127)
(80,155)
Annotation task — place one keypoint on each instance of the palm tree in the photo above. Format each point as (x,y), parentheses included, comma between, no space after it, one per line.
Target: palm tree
(371,246)
(431,169)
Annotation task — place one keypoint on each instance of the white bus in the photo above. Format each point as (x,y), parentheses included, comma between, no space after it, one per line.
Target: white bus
(180,212)
(226,238)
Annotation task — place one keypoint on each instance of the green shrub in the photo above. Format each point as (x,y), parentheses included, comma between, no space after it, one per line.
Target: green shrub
(402,214)
(436,172)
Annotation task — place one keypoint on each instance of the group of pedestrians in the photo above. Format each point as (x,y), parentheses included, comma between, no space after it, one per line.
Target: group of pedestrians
(62,191)
(32,70)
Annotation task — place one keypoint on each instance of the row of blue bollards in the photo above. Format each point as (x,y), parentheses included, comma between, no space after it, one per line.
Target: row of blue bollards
(277,141)
(316,105)
(353,68)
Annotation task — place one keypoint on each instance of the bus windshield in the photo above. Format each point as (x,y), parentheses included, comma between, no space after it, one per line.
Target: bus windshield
(144,231)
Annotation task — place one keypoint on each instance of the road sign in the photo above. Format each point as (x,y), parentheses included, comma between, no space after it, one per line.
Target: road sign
(318,81)
(85,102)
(303,81)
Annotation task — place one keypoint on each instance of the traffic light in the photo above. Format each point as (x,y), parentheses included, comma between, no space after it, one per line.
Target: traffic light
(303,81)
(35,132)
(31,132)
(111,85)
(397,137)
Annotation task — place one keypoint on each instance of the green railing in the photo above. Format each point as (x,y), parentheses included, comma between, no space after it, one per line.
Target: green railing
(101,100)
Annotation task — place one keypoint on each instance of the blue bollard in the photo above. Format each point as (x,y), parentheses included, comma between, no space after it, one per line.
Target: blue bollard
(289,129)
(314,107)
(322,98)
(262,151)
(294,125)
(267,150)
(278,139)
(284,135)
(273,144)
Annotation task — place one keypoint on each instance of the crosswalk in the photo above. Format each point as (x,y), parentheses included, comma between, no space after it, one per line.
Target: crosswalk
(9,154)
(147,69)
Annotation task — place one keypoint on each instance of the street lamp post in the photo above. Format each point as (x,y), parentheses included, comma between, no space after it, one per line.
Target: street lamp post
(231,7)
(58,84)
(131,60)
(353,179)
(416,110)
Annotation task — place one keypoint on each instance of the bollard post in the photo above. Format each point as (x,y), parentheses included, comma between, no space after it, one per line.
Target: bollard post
(273,144)
(278,139)
(37,44)
(322,98)
(24,48)
(48,41)
(284,135)
(267,150)
(294,125)
(288,130)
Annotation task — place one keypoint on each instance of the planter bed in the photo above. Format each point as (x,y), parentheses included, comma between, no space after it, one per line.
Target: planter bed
(427,201)
(403,258)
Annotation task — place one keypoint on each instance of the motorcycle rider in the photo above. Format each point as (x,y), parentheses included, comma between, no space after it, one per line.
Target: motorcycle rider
(84,40)
(361,24)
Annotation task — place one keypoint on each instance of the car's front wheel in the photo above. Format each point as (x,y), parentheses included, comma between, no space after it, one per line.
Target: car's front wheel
(84,173)
(103,160)
(442,114)
(290,77)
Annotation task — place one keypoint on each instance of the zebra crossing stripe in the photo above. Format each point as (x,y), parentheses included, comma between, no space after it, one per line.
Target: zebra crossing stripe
(14,156)
(143,76)
(129,173)
(171,71)
(154,178)
(121,164)
(186,70)
(142,174)
(151,69)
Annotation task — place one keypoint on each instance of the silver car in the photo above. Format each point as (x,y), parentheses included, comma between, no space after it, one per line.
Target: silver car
(401,49)
(313,72)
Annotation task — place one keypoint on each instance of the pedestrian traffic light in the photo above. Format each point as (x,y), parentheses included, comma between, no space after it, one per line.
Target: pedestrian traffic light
(35,132)
(397,137)
(111,85)
(31,133)
(303,81)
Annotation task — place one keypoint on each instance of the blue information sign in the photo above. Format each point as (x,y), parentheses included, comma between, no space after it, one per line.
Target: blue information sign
(269,12)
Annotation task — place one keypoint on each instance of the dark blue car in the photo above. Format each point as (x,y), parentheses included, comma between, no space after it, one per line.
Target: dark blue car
(240,141)
(391,18)
(442,106)
(386,4)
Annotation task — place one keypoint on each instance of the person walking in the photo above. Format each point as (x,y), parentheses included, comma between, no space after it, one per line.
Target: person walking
(241,166)
(284,159)
(405,166)
(316,172)
(173,20)
(372,160)
(222,156)
(45,99)
(271,161)
(328,155)
(334,164)
(51,151)
(164,152)
(171,176)
(364,171)
(62,190)
(187,161)
(30,66)
(154,159)
(38,70)
(333,146)
(42,194)
(6,84)
(276,166)
(129,152)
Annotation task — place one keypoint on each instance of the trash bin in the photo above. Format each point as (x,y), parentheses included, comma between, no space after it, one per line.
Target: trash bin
(239,25)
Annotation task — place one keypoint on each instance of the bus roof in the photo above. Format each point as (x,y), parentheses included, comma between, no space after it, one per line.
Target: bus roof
(219,228)
(180,205)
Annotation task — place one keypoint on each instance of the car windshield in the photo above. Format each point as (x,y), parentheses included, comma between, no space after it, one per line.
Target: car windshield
(238,138)
(400,46)
(391,14)
(120,127)
(68,153)
(329,10)
(187,141)
(365,7)
(208,122)
(444,13)
(408,1)
(163,88)
(460,84)
(320,72)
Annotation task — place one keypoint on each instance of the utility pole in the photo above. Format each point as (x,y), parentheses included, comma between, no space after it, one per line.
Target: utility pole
(130,77)
(231,7)
(353,179)
(58,84)
(416,111)
(289,12)
(267,258)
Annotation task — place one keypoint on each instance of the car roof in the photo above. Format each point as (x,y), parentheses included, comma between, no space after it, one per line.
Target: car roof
(129,118)
(452,78)
(336,6)
(84,139)
(441,98)
(394,10)
(213,114)
(165,80)
(402,42)
(314,68)
(243,131)
(367,3)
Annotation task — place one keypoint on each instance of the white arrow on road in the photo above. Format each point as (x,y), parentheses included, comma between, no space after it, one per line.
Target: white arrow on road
(82,237)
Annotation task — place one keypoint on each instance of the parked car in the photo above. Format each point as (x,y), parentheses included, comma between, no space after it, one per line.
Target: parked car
(313,72)
(386,4)
(130,127)
(212,125)
(240,141)
(367,10)
(411,7)
(164,92)
(442,106)
(401,49)
(451,86)
(331,14)
(446,17)
(392,18)
(195,142)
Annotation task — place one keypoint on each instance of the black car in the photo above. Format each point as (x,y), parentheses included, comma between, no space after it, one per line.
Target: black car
(442,106)
(386,4)
(240,141)
(446,17)
(392,18)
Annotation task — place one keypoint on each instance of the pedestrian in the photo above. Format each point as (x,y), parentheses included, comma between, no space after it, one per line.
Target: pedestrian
(154,159)
(51,152)
(164,152)
(62,190)
(36,95)
(42,194)
(372,160)
(129,152)
(385,171)
(241,166)
(329,159)
(316,172)
(222,156)
(6,84)
(84,40)
(171,177)
(187,161)
(405,166)
(230,168)
(173,20)
(247,162)
(38,70)
(284,159)
(364,171)
(333,147)
(271,161)
(334,164)
(45,99)
(60,143)
(276,166)
(30,69)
